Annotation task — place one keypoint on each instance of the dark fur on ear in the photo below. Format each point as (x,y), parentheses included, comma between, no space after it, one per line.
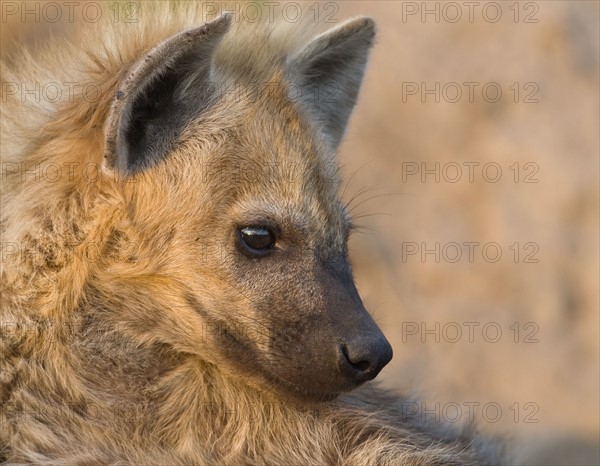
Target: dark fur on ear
(149,112)
(328,73)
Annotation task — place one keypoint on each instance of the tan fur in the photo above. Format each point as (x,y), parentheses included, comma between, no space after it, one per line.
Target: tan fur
(106,358)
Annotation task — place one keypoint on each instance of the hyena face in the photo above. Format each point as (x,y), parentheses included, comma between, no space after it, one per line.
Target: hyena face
(232,178)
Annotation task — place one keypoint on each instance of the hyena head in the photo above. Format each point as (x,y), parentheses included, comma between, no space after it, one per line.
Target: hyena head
(226,154)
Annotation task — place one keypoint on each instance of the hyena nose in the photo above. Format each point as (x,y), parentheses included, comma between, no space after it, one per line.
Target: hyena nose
(363,358)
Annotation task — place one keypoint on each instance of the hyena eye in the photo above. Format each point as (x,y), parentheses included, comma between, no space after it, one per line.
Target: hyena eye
(256,241)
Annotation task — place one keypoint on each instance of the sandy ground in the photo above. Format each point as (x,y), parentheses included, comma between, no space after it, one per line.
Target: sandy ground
(476,137)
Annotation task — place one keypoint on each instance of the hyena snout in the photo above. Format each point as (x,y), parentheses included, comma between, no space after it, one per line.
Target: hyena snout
(362,349)
(363,358)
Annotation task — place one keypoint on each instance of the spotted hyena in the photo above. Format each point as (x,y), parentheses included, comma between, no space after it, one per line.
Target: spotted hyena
(176,289)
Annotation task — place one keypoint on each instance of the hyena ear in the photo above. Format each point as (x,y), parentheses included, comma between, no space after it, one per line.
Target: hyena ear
(161,93)
(327,73)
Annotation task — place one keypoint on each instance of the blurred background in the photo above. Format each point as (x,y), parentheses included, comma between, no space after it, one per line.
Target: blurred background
(472,168)
(511,321)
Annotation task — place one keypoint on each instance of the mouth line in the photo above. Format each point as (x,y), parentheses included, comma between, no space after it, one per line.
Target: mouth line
(273,379)
(296,389)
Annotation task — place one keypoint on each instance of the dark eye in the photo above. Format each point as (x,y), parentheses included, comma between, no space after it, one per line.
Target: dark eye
(256,241)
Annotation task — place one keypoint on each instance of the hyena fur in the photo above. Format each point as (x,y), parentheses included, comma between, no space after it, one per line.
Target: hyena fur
(175,281)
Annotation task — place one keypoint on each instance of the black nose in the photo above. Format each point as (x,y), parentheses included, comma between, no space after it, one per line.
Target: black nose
(363,358)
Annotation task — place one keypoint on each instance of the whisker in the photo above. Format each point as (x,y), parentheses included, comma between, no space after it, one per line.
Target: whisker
(364,190)
(364,229)
(347,183)
(376,196)
(370,214)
